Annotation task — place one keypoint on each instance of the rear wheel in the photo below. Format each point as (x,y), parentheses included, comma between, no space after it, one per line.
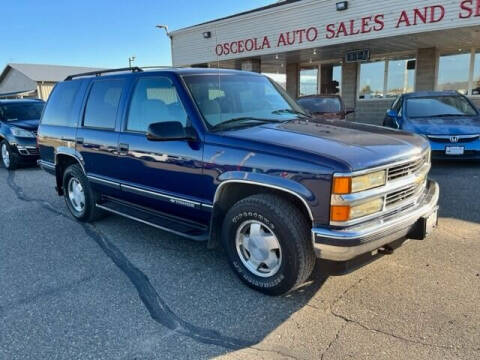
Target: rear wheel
(8,156)
(80,198)
(268,244)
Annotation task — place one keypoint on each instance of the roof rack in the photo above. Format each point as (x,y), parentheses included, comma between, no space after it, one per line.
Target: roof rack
(100,72)
(158,67)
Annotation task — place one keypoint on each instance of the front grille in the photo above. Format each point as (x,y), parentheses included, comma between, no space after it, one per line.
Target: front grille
(400,195)
(460,139)
(412,167)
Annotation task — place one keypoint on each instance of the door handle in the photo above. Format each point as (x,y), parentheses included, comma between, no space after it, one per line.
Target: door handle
(122,149)
(79,140)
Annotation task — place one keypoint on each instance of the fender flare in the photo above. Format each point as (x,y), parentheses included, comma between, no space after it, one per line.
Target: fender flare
(290,190)
(262,180)
(67,151)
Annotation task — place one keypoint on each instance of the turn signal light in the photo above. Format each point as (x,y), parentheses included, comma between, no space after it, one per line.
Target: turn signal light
(339,213)
(342,185)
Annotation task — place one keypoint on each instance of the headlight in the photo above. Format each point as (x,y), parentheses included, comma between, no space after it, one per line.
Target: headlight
(346,212)
(348,185)
(21,132)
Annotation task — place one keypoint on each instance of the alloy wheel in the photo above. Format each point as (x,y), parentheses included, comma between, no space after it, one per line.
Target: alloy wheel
(258,248)
(76,194)
(5,155)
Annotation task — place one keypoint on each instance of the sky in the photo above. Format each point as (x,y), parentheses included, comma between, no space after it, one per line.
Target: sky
(101,33)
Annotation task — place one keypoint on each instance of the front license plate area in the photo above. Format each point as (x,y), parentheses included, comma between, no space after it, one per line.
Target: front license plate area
(454,150)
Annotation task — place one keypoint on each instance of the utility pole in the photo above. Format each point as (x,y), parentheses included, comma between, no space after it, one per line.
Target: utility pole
(130,61)
(164,27)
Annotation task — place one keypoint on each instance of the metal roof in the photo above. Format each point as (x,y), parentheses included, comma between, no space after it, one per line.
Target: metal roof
(43,72)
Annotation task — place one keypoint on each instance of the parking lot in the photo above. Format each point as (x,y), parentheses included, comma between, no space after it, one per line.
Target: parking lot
(118,289)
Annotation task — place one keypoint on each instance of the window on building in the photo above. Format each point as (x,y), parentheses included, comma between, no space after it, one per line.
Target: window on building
(337,76)
(386,79)
(401,77)
(453,72)
(460,72)
(156,100)
(476,75)
(308,81)
(372,80)
(102,105)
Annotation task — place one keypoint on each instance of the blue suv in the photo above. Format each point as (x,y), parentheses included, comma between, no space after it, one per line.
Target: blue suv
(228,157)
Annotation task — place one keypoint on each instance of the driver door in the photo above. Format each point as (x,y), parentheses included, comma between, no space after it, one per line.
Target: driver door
(162,175)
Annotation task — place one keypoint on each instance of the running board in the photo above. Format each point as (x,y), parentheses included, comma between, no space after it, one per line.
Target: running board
(160,221)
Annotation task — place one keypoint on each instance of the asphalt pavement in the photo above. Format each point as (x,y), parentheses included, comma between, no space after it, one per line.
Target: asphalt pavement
(117,289)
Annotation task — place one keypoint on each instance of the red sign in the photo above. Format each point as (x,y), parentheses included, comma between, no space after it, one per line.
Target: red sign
(352,27)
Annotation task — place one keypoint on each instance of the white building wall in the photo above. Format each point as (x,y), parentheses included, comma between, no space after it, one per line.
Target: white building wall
(189,47)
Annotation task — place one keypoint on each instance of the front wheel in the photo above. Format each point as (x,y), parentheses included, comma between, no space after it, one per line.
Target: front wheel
(268,244)
(8,157)
(79,196)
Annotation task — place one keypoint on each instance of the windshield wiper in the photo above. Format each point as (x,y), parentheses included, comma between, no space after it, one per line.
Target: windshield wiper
(289,111)
(244,119)
(438,115)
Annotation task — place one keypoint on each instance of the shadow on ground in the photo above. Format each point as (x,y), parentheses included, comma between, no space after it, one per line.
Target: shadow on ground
(451,175)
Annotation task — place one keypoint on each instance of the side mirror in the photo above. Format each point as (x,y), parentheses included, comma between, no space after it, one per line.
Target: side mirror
(392,114)
(169,131)
(349,111)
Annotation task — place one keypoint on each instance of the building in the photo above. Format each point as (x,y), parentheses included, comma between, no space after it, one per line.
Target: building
(34,80)
(374,49)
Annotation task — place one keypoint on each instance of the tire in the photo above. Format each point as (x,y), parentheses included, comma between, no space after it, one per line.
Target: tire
(8,157)
(285,268)
(79,196)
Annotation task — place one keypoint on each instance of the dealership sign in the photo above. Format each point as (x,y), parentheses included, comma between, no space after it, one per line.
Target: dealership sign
(374,23)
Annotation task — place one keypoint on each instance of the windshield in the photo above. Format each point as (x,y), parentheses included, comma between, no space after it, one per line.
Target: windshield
(21,111)
(321,104)
(439,106)
(240,100)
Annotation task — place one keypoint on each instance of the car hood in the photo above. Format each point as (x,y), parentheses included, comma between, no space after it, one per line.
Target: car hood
(444,126)
(25,124)
(359,146)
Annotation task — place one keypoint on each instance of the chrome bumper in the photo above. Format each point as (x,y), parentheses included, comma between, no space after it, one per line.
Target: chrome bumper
(346,244)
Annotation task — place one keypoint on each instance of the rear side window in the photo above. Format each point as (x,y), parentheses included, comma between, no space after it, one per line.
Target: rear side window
(59,107)
(102,104)
(154,100)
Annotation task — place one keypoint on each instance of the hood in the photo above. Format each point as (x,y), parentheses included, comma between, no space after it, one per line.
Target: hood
(359,146)
(444,126)
(25,124)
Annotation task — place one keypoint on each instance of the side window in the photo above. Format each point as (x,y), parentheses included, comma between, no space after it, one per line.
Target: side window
(59,107)
(154,100)
(102,104)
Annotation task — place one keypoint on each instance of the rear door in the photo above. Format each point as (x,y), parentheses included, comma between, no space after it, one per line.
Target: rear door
(97,135)
(163,175)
